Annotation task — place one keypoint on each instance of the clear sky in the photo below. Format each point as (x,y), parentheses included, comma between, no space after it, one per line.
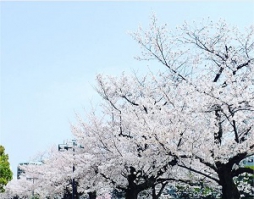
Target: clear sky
(51,52)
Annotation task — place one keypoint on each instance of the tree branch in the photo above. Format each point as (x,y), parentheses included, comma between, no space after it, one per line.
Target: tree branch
(131,102)
(218,74)
(199,172)
(241,66)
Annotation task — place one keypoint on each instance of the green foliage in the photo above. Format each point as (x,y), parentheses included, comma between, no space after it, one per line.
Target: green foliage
(5,171)
(188,192)
(244,183)
(251,167)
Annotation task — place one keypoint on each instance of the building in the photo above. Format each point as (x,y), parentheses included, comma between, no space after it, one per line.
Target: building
(20,171)
(248,162)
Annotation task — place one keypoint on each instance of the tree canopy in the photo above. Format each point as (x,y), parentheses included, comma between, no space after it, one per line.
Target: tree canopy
(5,171)
(190,123)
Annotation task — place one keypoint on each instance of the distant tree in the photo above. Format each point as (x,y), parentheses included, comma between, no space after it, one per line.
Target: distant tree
(5,171)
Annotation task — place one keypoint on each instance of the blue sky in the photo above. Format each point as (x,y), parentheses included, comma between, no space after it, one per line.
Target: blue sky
(52,51)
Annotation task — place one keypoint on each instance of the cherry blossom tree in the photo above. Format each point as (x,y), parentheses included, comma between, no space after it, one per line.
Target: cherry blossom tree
(116,141)
(50,179)
(190,122)
(212,64)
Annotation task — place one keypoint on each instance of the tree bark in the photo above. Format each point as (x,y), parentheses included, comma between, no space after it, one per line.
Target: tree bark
(92,195)
(229,188)
(131,194)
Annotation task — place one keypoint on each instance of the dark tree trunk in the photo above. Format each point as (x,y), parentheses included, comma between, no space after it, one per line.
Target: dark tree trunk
(229,188)
(131,194)
(132,190)
(154,196)
(92,195)
(133,187)
(67,194)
